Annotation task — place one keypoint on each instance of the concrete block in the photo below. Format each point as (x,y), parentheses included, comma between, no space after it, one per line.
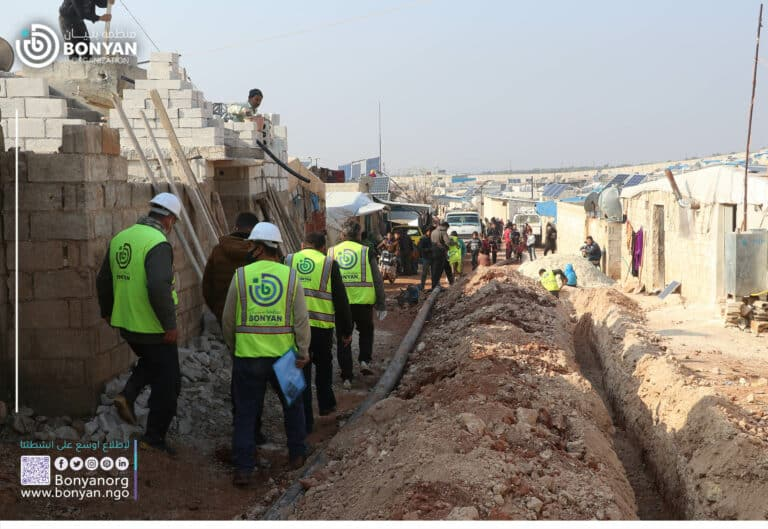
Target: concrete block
(54,127)
(97,168)
(118,168)
(62,284)
(195,113)
(3,93)
(160,71)
(164,57)
(83,197)
(81,139)
(32,128)
(90,313)
(193,123)
(42,145)
(8,108)
(110,141)
(34,197)
(55,167)
(59,225)
(51,314)
(164,84)
(26,87)
(274,118)
(102,224)
(8,226)
(46,107)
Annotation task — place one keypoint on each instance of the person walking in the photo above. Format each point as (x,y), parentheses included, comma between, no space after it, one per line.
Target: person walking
(441,242)
(508,241)
(265,317)
(136,294)
(455,255)
(365,291)
(530,241)
(474,248)
(550,236)
(328,308)
(424,249)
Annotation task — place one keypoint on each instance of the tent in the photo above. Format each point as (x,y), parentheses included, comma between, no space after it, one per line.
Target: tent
(342,205)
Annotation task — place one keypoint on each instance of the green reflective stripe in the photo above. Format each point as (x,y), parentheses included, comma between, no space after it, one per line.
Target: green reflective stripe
(243,296)
(326,274)
(262,330)
(317,294)
(321,317)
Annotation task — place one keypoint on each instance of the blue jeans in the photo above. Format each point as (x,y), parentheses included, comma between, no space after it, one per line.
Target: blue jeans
(250,377)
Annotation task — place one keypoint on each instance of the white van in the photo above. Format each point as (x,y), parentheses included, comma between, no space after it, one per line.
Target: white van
(464,223)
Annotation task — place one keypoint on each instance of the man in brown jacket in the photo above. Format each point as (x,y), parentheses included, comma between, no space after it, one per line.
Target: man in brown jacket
(232,252)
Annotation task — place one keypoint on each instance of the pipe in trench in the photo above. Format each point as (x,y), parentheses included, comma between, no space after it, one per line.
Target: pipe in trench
(385,385)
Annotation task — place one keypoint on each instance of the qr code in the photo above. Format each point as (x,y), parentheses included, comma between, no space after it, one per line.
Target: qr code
(35,470)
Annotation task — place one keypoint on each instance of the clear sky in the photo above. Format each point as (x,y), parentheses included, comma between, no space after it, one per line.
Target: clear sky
(472,85)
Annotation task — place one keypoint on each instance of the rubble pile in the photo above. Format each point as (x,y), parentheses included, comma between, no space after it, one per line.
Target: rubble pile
(491,420)
(588,274)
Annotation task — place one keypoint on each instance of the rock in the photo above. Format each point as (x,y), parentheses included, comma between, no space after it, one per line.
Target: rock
(23,424)
(716,371)
(192,373)
(711,491)
(463,513)
(3,412)
(750,397)
(107,422)
(66,432)
(185,426)
(101,410)
(44,435)
(498,499)
(143,399)
(79,426)
(742,381)
(546,454)
(534,504)
(526,416)
(762,381)
(421,347)
(26,412)
(114,387)
(106,401)
(91,427)
(202,358)
(386,410)
(472,423)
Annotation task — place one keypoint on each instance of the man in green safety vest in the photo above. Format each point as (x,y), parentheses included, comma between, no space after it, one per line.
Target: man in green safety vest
(136,295)
(265,316)
(549,280)
(365,290)
(328,308)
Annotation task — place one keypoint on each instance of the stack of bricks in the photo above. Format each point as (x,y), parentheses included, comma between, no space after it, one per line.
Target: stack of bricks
(71,204)
(41,117)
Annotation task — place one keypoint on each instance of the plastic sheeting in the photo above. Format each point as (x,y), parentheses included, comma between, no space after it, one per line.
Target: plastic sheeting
(340,205)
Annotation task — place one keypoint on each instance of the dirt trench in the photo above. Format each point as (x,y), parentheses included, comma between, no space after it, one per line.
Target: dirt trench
(689,452)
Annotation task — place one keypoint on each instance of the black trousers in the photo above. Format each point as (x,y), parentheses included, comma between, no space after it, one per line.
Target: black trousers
(320,349)
(362,316)
(73,30)
(440,264)
(158,367)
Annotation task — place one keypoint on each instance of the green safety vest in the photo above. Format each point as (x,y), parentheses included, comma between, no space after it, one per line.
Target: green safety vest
(131,309)
(549,281)
(353,263)
(454,252)
(314,272)
(264,313)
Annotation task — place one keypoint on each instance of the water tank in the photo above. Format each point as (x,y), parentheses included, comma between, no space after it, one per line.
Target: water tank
(746,262)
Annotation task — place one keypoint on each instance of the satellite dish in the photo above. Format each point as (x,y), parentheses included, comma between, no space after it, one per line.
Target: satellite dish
(610,205)
(6,56)
(591,203)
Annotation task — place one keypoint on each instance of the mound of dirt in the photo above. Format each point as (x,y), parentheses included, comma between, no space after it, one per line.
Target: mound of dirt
(491,420)
(588,275)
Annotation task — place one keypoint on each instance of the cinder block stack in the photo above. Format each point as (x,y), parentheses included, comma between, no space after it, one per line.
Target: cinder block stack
(41,117)
(71,204)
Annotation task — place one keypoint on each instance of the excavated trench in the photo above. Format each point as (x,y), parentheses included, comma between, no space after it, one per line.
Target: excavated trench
(651,503)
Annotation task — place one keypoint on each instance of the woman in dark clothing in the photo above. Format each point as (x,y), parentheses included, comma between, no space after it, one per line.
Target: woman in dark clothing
(550,243)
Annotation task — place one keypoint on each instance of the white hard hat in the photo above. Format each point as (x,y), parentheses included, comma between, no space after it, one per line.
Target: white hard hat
(267,233)
(166,202)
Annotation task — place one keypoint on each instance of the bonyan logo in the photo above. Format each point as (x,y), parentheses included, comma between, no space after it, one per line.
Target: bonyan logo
(38,47)
(347,259)
(306,266)
(266,291)
(123,256)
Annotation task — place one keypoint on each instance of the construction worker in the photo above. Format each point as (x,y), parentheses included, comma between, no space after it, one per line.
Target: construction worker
(72,17)
(248,111)
(328,308)
(549,280)
(455,254)
(136,295)
(365,290)
(265,317)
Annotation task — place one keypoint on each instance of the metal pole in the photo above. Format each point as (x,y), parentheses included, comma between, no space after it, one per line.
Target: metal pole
(381,162)
(751,109)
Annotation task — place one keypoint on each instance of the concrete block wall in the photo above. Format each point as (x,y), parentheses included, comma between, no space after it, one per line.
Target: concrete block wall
(41,117)
(71,204)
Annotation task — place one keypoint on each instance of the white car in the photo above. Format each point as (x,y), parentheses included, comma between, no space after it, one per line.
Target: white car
(464,223)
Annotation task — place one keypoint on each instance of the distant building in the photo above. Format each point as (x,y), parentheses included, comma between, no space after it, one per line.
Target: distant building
(354,170)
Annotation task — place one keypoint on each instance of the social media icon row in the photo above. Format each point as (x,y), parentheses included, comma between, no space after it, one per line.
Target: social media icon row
(91,463)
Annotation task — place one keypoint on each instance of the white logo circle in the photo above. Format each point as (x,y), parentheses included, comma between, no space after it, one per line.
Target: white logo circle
(122,463)
(91,463)
(76,463)
(61,464)
(39,47)
(107,463)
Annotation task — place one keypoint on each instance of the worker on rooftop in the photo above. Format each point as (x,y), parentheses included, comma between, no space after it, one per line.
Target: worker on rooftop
(265,317)
(72,17)
(365,290)
(248,111)
(136,295)
(328,308)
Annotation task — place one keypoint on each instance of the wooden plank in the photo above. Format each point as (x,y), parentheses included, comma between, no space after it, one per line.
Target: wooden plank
(182,165)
